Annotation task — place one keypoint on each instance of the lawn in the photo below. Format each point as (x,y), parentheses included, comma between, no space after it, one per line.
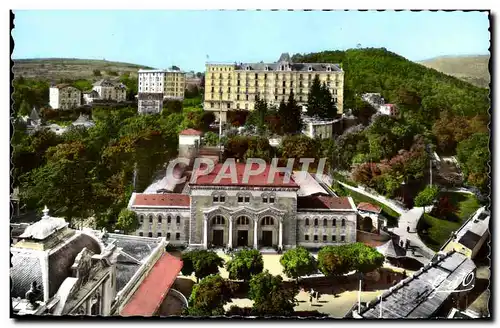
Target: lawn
(391,215)
(434,232)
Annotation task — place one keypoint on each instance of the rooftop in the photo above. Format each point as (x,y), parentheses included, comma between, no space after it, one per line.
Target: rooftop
(423,293)
(308,185)
(190,132)
(471,232)
(150,294)
(42,229)
(261,180)
(324,202)
(368,207)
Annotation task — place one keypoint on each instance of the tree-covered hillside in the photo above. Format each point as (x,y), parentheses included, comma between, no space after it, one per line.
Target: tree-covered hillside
(395,77)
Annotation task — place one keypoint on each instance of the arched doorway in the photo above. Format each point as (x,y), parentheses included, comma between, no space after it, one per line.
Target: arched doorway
(267,231)
(242,231)
(218,225)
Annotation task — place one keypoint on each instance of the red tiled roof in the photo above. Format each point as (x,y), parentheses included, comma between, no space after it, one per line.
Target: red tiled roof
(367,207)
(154,288)
(260,180)
(191,132)
(323,202)
(162,200)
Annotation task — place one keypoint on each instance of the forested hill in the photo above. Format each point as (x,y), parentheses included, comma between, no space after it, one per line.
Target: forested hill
(403,82)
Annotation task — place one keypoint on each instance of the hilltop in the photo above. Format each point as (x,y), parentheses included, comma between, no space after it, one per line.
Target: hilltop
(71,68)
(424,91)
(472,69)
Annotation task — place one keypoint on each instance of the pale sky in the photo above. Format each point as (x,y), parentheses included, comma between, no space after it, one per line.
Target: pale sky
(162,38)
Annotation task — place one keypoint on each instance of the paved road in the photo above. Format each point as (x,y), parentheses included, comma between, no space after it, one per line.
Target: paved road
(408,218)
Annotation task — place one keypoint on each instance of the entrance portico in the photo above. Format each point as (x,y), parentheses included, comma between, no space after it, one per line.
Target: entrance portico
(245,227)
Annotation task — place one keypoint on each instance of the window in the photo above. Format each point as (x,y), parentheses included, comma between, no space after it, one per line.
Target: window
(222,198)
(309,69)
(325,222)
(247,199)
(177,236)
(229,90)
(256,76)
(238,77)
(256,83)
(248,68)
(178,219)
(283,90)
(267,220)
(343,222)
(141,219)
(324,237)
(237,97)
(159,234)
(141,234)
(150,219)
(264,198)
(247,97)
(216,199)
(246,106)
(265,75)
(271,199)
(334,222)
(334,238)
(168,235)
(169,219)
(315,222)
(228,105)
(284,83)
(220,76)
(218,219)
(150,234)
(275,97)
(159,219)
(300,98)
(315,237)
(238,105)
(243,220)
(342,238)
(307,222)
(238,85)
(306,237)
(240,199)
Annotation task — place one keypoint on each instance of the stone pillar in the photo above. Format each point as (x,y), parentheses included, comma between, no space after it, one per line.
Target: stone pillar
(280,236)
(230,242)
(205,231)
(255,243)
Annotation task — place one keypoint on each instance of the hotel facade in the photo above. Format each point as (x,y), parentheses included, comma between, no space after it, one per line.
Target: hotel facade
(236,86)
(157,85)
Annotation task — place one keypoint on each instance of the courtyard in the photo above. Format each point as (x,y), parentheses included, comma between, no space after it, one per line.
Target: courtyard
(337,295)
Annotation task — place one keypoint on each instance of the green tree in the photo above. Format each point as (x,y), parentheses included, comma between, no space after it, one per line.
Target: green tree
(211,138)
(363,258)
(209,297)
(474,157)
(426,196)
(202,262)
(298,262)
(25,109)
(290,116)
(127,221)
(270,296)
(245,264)
(332,262)
(314,99)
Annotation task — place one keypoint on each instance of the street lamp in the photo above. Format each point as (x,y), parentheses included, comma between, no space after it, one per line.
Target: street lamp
(403,190)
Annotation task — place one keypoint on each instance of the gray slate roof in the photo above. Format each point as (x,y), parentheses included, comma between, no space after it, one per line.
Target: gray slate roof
(25,269)
(414,297)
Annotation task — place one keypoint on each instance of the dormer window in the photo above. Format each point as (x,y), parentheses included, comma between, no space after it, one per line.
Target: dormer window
(244,198)
(309,69)
(267,68)
(271,199)
(247,68)
(219,197)
(328,69)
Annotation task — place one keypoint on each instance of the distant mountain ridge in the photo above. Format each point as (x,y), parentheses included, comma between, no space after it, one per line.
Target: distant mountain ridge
(71,68)
(469,68)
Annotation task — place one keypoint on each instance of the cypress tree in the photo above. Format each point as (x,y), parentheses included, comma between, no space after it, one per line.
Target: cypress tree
(314,98)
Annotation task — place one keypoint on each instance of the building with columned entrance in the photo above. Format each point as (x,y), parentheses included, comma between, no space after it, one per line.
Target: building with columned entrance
(215,212)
